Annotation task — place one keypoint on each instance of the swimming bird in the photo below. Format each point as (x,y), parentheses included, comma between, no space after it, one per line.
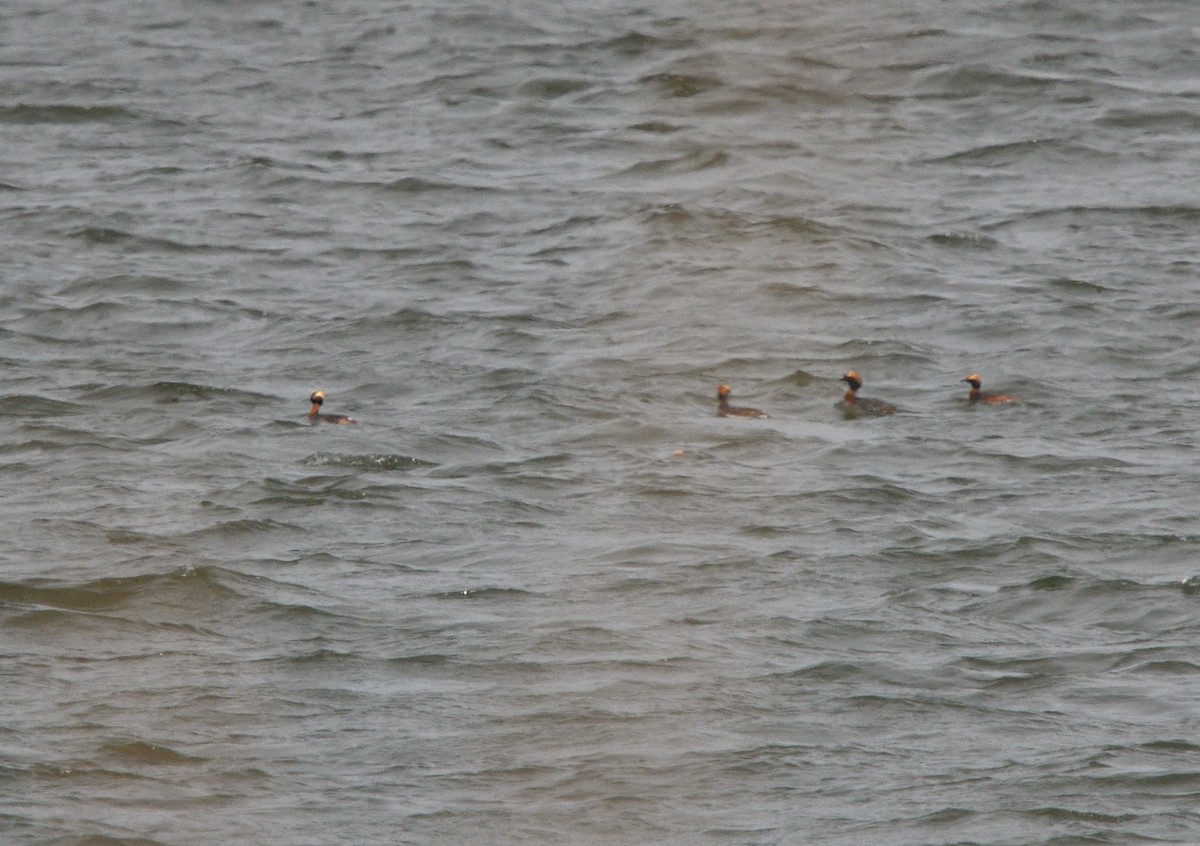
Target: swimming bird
(977,395)
(853,402)
(724,409)
(317,398)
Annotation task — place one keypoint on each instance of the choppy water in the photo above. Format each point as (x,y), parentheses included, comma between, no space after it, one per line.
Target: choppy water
(541,594)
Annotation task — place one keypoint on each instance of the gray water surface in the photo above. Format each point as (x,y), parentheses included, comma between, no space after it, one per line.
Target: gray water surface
(541,593)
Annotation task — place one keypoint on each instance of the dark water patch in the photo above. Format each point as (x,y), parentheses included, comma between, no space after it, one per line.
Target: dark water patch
(1034,458)
(1059,582)
(639,554)
(874,491)
(1070,218)
(58,441)
(140,753)
(1115,605)
(830,672)
(592,643)
(104,594)
(1169,747)
(1024,683)
(92,627)
(686,220)
(418,185)
(161,25)
(964,240)
(172,392)
(39,406)
(1166,667)
(378,462)
(684,164)
(449,447)
(152,176)
(127,537)
(190,587)
(637,585)
(308,492)
(109,236)
(1012,152)
(35,113)
(747,99)
(1053,815)
(681,85)
(552,88)
(265,163)
(98,313)
(1145,119)
(320,657)
(244,528)
(632,44)
(527,468)
(806,227)
(105,840)
(124,284)
(947,817)
(656,127)
(488,593)
(1179,784)
(304,616)
(1184,312)
(897,352)
(964,81)
(569,224)
(422,660)
(365,157)
(1077,287)
(1156,759)
(796,290)
(769,758)
(103,235)
(409,256)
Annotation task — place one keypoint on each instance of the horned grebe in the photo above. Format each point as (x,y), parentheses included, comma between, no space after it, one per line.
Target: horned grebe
(317,398)
(977,395)
(724,409)
(854,403)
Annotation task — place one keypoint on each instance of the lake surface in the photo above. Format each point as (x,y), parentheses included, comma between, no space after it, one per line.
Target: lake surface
(541,593)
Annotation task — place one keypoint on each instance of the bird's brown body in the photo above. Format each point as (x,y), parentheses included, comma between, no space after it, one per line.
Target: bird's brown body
(317,398)
(855,404)
(977,395)
(724,409)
